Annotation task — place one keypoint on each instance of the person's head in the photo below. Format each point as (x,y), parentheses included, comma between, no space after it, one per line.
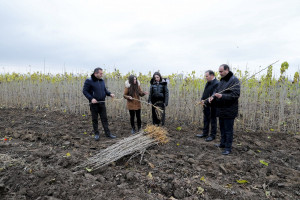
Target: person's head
(157,77)
(209,75)
(223,70)
(132,79)
(98,72)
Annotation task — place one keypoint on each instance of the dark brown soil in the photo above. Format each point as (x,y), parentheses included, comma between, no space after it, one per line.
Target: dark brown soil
(34,165)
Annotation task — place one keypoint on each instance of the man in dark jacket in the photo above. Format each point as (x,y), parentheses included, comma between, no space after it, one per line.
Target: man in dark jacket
(226,100)
(209,110)
(158,96)
(95,91)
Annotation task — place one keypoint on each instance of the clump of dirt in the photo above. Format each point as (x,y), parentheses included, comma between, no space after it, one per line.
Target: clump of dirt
(39,151)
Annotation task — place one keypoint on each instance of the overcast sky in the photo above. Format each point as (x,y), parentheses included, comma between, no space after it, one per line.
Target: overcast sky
(169,35)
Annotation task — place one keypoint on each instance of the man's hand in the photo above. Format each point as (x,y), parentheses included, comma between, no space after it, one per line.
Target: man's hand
(112,95)
(201,102)
(146,93)
(210,99)
(218,95)
(94,101)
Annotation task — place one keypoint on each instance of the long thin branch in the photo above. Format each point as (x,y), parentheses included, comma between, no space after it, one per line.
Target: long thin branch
(142,101)
(240,83)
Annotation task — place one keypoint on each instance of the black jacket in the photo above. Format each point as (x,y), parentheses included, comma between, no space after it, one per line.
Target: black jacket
(95,88)
(228,104)
(209,89)
(158,92)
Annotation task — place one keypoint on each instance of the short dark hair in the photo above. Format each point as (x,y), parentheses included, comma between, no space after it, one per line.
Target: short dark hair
(226,67)
(97,69)
(210,72)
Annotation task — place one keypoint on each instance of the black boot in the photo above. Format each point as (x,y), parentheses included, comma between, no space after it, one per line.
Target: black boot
(139,128)
(97,137)
(109,135)
(226,152)
(210,138)
(133,131)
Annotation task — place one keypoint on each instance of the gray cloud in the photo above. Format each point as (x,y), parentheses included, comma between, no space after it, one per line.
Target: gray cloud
(134,35)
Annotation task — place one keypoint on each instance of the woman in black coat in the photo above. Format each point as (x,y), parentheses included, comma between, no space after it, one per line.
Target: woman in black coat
(158,96)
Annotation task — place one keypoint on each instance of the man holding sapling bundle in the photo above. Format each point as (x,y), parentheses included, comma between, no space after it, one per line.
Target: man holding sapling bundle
(225,98)
(209,110)
(95,91)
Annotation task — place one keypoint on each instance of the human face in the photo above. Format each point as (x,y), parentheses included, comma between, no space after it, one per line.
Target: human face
(208,77)
(134,80)
(157,78)
(99,74)
(223,72)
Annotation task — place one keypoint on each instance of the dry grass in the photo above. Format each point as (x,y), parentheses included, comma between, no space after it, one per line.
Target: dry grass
(157,133)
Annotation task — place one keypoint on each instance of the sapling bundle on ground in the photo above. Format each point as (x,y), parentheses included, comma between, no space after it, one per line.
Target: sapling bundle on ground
(135,144)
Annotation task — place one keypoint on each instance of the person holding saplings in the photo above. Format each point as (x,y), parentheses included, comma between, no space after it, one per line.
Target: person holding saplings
(226,100)
(133,93)
(209,111)
(95,91)
(159,97)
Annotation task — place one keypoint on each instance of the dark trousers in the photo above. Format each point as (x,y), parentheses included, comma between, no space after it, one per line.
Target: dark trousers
(210,119)
(136,113)
(226,128)
(155,119)
(99,108)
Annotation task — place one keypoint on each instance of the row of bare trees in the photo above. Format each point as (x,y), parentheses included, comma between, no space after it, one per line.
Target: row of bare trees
(263,109)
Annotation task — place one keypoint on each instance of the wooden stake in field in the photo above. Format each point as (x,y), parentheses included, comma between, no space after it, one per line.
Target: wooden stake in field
(138,143)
